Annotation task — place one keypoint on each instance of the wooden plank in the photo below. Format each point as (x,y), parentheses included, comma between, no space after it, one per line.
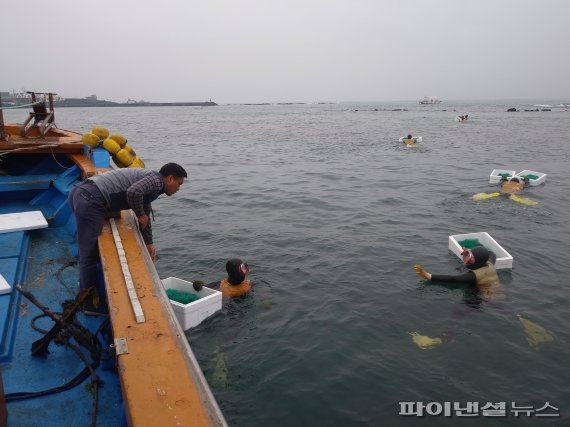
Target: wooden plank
(84,163)
(88,169)
(161,381)
(20,221)
(131,291)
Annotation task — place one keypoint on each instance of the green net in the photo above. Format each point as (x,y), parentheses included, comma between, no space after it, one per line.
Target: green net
(181,296)
(469,243)
(505,174)
(530,176)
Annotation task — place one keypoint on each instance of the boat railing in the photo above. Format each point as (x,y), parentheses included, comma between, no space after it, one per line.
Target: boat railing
(160,375)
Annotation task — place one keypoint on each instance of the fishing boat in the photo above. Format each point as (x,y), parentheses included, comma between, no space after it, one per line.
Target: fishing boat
(428,100)
(60,366)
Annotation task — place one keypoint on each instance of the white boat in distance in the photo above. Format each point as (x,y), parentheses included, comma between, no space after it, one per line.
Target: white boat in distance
(552,106)
(430,100)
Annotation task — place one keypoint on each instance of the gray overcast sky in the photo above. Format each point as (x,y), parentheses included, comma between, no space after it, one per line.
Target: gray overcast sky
(289,50)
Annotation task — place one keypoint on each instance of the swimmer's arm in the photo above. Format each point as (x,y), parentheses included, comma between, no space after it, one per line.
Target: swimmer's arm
(468,278)
(214,285)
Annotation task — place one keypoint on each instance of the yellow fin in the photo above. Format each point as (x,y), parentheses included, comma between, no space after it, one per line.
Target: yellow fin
(220,375)
(523,200)
(483,196)
(424,342)
(535,334)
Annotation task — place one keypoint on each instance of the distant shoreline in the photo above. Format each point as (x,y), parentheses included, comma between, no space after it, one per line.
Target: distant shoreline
(21,99)
(82,103)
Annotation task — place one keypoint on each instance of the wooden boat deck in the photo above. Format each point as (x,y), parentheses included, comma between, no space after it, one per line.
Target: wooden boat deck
(161,381)
(55,141)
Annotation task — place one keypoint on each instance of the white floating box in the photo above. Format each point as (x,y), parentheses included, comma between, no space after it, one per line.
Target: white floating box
(541,177)
(495,178)
(504,259)
(5,287)
(190,315)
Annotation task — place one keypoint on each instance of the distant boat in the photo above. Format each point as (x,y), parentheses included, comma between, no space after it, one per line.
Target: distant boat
(430,100)
(552,106)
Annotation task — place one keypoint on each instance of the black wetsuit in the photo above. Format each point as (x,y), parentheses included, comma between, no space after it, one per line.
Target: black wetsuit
(468,277)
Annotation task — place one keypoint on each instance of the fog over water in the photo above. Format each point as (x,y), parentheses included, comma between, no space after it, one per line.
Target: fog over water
(294,51)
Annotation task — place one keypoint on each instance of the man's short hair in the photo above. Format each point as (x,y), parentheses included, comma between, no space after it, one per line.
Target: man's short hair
(173,169)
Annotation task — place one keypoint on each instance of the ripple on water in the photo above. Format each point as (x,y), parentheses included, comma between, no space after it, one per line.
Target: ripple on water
(332,212)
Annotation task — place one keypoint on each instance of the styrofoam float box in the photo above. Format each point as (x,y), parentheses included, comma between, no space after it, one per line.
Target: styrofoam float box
(541,177)
(190,315)
(504,259)
(5,287)
(495,178)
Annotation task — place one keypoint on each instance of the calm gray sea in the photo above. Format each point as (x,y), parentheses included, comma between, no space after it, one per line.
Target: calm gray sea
(332,212)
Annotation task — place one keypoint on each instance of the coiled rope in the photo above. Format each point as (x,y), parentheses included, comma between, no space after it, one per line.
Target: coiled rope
(36,147)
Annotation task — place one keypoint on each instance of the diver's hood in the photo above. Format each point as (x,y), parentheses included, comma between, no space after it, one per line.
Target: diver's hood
(235,276)
(481,257)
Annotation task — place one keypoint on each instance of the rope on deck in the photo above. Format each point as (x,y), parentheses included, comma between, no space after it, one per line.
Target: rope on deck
(135,303)
(14,107)
(36,147)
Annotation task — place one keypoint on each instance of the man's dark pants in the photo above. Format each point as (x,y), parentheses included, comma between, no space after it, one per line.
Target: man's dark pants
(88,206)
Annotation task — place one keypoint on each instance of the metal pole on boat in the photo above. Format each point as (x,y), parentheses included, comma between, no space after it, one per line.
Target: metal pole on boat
(2,130)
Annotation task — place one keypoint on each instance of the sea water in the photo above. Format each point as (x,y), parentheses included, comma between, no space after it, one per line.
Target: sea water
(331,212)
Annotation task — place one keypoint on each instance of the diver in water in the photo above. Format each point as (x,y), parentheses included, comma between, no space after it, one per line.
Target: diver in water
(510,188)
(408,140)
(233,288)
(513,185)
(235,285)
(484,286)
(482,273)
